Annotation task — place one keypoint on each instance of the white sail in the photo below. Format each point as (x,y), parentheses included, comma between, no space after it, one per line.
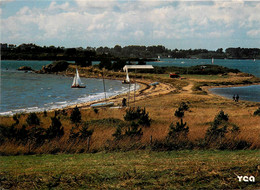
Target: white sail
(212,60)
(127,77)
(76,81)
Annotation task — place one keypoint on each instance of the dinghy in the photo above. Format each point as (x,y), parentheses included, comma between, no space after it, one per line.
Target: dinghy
(77,82)
(102,104)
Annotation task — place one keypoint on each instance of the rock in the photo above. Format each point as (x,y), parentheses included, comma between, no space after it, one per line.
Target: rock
(56,66)
(25,68)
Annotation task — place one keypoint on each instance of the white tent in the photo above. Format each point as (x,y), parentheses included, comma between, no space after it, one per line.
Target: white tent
(126,67)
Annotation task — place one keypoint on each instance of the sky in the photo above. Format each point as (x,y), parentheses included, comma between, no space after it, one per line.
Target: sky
(174,24)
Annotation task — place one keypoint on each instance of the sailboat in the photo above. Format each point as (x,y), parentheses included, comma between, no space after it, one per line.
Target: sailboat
(127,80)
(77,82)
(212,60)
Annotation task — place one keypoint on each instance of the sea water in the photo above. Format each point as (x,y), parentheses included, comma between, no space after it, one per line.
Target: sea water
(29,92)
(249,93)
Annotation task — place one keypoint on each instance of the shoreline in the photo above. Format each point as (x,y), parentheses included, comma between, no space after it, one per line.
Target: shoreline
(143,92)
(207,89)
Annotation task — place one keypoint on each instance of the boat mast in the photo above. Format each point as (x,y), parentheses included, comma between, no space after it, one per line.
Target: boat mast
(104,86)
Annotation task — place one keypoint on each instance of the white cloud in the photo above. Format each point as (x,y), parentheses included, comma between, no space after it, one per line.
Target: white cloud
(91,21)
(254,33)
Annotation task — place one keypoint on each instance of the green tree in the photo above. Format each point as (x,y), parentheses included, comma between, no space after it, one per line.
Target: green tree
(180,130)
(56,129)
(33,119)
(84,133)
(75,116)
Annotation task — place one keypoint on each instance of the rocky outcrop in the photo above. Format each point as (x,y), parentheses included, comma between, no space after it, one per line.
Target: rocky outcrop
(25,68)
(56,66)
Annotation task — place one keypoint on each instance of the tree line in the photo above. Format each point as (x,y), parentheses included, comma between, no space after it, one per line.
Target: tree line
(88,54)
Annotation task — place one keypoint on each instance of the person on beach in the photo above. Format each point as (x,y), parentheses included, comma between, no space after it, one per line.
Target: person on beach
(124,102)
(234,97)
(237,98)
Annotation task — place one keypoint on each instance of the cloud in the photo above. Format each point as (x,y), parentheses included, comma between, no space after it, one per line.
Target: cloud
(109,22)
(254,33)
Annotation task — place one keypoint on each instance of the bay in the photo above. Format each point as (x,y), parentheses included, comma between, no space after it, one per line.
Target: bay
(249,93)
(26,92)
(29,92)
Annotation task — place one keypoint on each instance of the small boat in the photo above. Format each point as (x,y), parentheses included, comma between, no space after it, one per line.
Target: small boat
(102,104)
(77,82)
(127,80)
(212,60)
(154,84)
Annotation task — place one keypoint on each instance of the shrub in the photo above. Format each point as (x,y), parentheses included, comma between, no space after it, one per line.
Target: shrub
(56,129)
(215,132)
(184,106)
(180,130)
(221,116)
(75,116)
(257,112)
(133,130)
(84,133)
(132,114)
(95,110)
(37,135)
(15,118)
(144,118)
(7,132)
(73,135)
(22,134)
(179,113)
(139,115)
(118,133)
(33,119)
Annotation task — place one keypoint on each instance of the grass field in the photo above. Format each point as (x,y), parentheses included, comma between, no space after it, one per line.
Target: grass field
(132,170)
(193,168)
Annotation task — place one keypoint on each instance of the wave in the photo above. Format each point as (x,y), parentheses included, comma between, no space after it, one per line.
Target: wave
(64,104)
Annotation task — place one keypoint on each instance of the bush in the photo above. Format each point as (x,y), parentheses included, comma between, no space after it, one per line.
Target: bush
(132,114)
(95,110)
(45,113)
(118,133)
(56,129)
(221,116)
(139,115)
(32,119)
(75,116)
(37,135)
(133,130)
(180,130)
(84,133)
(184,106)
(215,132)
(15,118)
(22,134)
(257,112)
(179,113)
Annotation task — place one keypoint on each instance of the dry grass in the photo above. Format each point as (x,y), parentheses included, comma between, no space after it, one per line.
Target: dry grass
(161,108)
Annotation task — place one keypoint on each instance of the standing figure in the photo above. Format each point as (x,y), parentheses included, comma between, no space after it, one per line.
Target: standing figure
(237,98)
(124,102)
(234,97)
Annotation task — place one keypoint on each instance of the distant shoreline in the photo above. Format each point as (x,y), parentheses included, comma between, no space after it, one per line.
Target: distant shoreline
(208,89)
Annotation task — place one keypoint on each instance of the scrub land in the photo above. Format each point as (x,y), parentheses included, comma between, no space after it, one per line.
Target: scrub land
(180,137)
